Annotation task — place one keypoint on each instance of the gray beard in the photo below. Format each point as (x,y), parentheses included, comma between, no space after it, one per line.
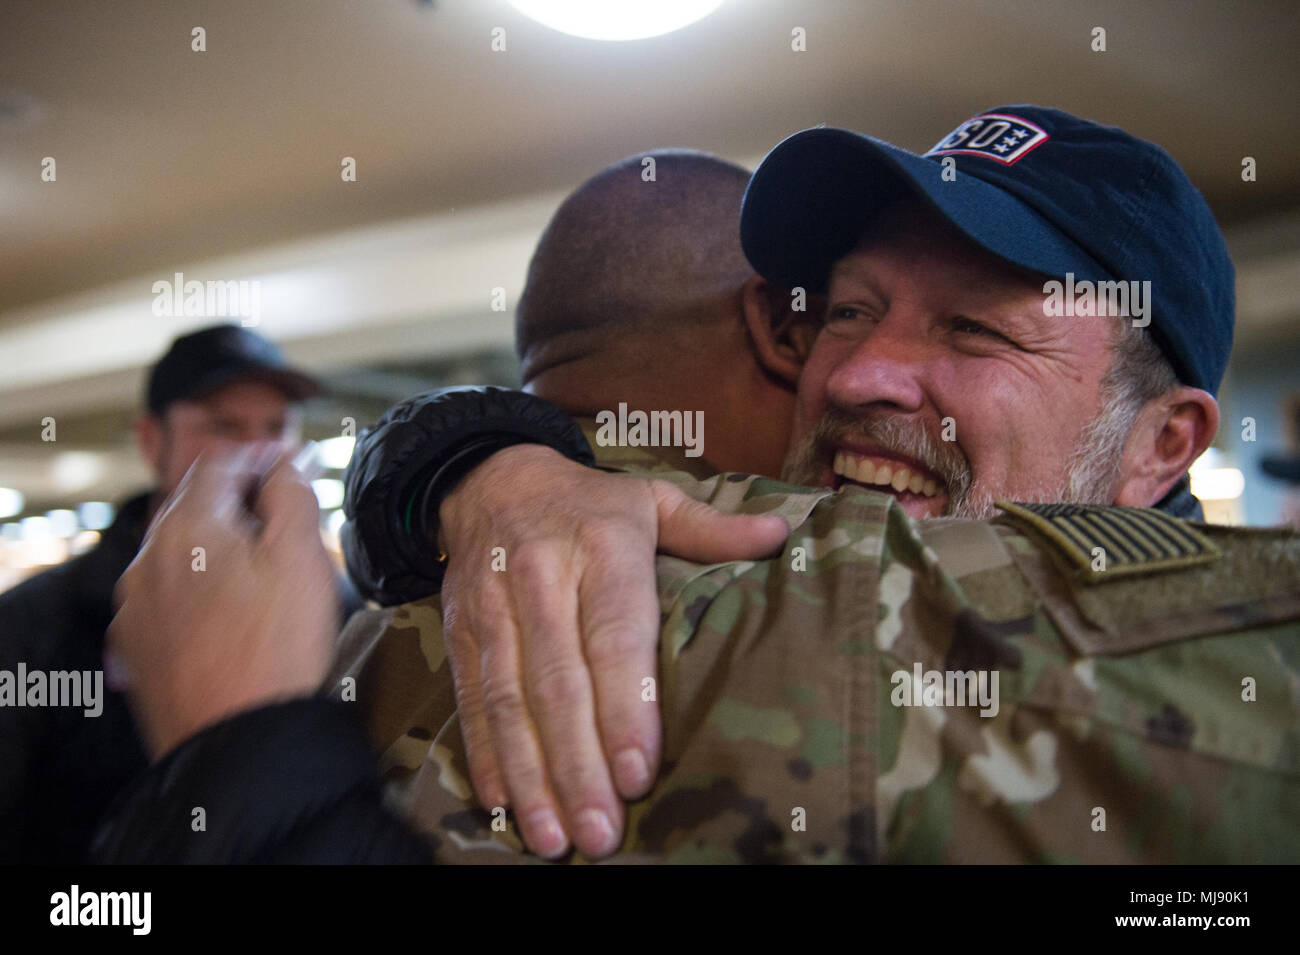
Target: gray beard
(1091,474)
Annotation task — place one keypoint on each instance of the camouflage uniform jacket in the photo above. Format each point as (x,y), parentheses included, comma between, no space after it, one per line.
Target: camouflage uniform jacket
(1141,681)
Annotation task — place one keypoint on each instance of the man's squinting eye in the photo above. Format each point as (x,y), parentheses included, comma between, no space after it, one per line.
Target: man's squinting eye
(968,326)
(843,313)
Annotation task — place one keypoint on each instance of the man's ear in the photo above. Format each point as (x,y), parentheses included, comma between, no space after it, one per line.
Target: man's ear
(149,437)
(782,326)
(1170,433)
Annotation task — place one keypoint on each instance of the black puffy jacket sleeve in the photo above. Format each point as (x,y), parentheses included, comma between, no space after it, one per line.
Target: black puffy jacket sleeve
(389,538)
(292,783)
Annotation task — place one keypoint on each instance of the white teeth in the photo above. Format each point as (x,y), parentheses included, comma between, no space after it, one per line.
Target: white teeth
(898,477)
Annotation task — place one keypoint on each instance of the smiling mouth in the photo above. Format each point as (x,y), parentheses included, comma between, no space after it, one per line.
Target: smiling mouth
(884,474)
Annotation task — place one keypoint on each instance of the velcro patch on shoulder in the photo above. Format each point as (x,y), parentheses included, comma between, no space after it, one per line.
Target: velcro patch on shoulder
(1100,542)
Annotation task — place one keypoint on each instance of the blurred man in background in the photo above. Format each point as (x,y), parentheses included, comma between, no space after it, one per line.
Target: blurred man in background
(60,765)
(1284,466)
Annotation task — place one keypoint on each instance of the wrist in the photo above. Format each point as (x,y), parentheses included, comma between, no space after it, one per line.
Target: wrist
(411,459)
(467,496)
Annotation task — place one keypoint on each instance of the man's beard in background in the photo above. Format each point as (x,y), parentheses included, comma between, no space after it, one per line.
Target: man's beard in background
(1091,474)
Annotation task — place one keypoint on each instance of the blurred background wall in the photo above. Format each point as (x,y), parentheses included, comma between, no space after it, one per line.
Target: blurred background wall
(225,164)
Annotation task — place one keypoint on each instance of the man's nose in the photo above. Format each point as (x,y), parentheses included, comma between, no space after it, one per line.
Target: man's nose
(885,370)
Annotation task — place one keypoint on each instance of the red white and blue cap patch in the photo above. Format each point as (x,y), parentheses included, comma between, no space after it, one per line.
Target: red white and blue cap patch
(1000,136)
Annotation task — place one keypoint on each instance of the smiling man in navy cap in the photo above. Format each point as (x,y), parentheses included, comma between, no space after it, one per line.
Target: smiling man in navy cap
(1038,309)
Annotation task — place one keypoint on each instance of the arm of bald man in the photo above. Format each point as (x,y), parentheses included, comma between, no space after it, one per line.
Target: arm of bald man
(549,657)
(221,658)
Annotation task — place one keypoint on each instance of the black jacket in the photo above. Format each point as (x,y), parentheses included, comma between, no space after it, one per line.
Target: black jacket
(289,783)
(59,768)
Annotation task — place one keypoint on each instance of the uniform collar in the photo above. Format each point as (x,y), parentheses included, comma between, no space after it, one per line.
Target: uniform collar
(1181,502)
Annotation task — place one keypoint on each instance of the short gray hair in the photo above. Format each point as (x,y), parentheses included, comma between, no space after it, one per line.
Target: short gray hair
(1138,373)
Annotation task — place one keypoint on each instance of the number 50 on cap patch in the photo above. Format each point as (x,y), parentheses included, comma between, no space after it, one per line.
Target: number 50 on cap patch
(999,136)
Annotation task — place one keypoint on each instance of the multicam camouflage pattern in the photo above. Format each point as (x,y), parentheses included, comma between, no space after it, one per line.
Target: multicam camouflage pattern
(658,461)
(1121,733)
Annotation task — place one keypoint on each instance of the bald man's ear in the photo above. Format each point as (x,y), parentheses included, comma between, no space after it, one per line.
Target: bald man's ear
(1170,433)
(781,325)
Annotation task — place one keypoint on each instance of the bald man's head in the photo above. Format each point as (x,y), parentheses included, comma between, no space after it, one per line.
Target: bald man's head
(634,262)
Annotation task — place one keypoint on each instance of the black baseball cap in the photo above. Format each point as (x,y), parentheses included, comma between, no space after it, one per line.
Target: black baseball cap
(203,361)
(1037,187)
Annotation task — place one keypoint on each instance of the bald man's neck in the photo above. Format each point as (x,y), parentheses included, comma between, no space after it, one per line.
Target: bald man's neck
(585,384)
(747,426)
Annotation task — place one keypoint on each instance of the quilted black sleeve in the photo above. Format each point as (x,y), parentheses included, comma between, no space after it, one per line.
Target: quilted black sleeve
(421,446)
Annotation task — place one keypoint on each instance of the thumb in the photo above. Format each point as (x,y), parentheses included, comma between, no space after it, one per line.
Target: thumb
(695,531)
(286,505)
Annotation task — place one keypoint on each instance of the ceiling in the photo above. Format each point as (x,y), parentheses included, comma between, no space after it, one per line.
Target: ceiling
(166,155)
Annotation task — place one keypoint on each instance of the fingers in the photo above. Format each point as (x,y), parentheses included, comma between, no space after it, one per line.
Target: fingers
(694,531)
(286,505)
(560,698)
(210,489)
(463,656)
(518,749)
(620,626)
(575,617)
(209,626)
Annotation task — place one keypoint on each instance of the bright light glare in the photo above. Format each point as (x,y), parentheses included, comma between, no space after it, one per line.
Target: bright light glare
(336,452)
(11,502)
(36,528)
(1218,484)
(95,515)
(1211,458)
(334,523)
(616,19)
(329,493)
(1213,480)
(63,522)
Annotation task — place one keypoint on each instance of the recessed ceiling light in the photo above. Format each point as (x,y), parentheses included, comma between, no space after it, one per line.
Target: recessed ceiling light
(616,19)
(11,502)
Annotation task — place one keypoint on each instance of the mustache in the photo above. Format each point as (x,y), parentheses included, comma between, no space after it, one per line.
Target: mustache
(906,437)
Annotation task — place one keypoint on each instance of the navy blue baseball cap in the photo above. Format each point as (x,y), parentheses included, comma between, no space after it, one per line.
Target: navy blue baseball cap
(201,362)
(1038,188)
